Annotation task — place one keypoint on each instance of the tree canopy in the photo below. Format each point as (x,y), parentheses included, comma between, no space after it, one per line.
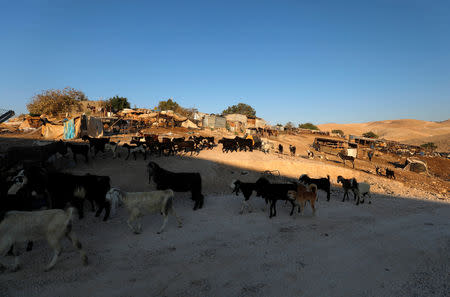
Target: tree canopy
(429,146)
(54,101)
(370,134)
(338,131)
(117,103)
(168,105)
(289,125)
(309,126)
(240,108)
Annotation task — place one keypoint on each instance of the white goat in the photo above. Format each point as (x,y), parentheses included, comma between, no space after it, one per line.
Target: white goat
(23,226)
(361,190)
(141,203)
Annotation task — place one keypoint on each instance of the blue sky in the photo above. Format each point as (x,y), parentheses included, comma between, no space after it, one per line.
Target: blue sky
(299,61)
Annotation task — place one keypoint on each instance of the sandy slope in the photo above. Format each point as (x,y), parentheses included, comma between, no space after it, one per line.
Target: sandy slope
(393,247)
(408,130)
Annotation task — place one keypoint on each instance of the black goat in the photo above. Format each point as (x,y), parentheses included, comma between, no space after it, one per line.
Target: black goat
(280,149)
(228,145)
(348,185)
(321,183)
(292,149)
(390,173)
(186,146)
(273,193)
(96,187)
(97,143)
(41,154)
(79,149)
(178,182)
(59,189)
(246,189)
(244,144)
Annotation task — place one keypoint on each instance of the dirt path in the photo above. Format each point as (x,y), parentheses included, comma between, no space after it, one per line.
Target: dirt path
(393,247)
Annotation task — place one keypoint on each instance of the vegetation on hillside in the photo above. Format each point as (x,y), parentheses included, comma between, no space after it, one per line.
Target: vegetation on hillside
(309,126)
(370,134)
(54,101)
(240,108)
(117,103)
(338,131)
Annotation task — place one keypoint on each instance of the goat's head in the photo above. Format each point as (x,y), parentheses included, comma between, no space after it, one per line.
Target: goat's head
(235,185)
(19,181)
(291,194)
(340,179)
(303,178)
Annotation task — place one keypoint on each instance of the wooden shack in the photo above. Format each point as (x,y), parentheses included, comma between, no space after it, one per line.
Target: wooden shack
(329,145)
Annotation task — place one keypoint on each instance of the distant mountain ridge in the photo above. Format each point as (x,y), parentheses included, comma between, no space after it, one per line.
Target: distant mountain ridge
(406,130)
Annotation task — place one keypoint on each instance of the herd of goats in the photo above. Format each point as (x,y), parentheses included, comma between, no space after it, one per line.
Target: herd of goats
(38,202)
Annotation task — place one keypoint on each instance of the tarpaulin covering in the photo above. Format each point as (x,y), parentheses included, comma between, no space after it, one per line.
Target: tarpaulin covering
(91,126)
(50,131)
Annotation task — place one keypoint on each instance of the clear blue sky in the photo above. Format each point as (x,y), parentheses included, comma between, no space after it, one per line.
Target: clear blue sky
(299,61)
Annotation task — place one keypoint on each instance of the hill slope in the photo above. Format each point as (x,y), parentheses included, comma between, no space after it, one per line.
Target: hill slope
(408,131)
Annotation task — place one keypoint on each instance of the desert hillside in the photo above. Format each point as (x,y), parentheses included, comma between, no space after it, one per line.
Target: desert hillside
(408,131)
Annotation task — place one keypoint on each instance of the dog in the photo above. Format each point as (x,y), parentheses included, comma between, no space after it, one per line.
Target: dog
(302,195)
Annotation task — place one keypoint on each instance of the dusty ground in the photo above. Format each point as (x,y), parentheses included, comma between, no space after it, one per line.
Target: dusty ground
(397,246)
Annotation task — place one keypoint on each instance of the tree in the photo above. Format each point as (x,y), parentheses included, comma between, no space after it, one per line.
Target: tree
(54,101)
(240,108)
(309,126)
(429,146)
(337,131)
(289,125)
(168,105)
(117,103)
(370,134)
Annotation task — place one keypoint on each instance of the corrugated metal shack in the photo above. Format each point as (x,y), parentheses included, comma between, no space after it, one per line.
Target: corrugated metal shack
(214,121)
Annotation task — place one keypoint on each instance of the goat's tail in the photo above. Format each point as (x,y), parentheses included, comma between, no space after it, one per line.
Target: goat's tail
(167,206)
(328,177)
(312,188)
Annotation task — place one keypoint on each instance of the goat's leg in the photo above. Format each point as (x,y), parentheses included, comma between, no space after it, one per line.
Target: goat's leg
(92,205)
(172,212)
(72,237)
(55,244)
(133,216)
(29,246)
(86,157)
(166,218)
(293,206)
(16,253)
(353,162)
(107,207)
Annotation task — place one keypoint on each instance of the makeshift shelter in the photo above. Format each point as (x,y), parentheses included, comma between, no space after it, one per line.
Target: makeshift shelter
(52,131)
(72,128)
(91,126)
(329,145)
(189,124)
(415,165)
